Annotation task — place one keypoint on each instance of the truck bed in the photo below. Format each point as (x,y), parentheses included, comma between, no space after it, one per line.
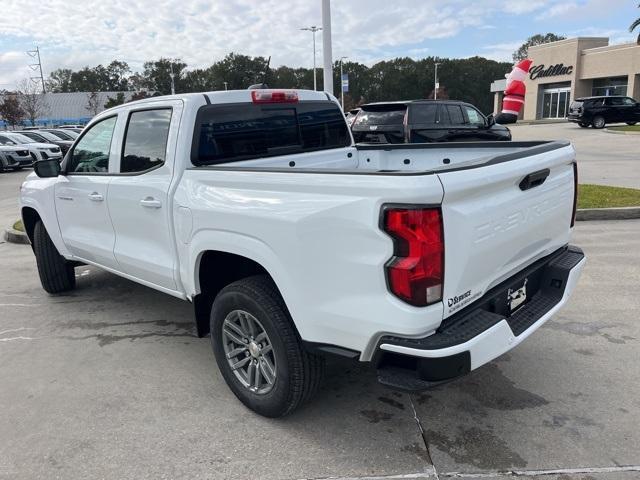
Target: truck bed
(407,159)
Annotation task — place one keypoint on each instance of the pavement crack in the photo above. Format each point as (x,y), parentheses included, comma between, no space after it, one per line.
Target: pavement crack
(424,437)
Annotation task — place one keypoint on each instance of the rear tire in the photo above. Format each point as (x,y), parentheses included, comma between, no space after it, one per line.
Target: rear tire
(598,122)
(56,274)
(252,311)
(631,123)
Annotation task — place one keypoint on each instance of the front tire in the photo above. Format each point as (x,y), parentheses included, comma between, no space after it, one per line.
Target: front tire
(598,122)
(57,275)
(631,123)
(258,350)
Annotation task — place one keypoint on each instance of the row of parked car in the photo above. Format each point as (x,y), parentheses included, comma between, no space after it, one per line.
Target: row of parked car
(423,121)
(20,148)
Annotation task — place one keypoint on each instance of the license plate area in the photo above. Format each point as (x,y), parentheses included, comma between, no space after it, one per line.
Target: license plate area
(517,297)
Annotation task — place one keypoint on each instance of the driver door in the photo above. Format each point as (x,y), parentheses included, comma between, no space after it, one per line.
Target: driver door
(81,195)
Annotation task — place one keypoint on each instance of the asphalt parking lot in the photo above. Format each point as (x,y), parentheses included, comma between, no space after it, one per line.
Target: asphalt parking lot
(603,158)
(111,382)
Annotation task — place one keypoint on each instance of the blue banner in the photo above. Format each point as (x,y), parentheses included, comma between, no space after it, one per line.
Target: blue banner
(345,82)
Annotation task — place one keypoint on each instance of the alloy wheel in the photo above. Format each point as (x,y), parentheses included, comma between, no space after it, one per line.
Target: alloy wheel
(249,351)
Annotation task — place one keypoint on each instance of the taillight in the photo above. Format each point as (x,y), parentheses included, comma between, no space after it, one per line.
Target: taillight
(575,193)
(416,272)
(274,96)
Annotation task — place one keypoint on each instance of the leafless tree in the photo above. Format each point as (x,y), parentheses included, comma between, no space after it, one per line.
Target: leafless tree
(93,103)
(10,110)
(31,101)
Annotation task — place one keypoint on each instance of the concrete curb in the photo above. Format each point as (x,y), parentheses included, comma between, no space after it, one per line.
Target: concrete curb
(617,132)
(621,213)
(14,236)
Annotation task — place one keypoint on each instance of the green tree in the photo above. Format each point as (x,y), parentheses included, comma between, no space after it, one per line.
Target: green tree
(115,101)
(59,80)
(537,39)
(156,75)
(635,25)
(11,111)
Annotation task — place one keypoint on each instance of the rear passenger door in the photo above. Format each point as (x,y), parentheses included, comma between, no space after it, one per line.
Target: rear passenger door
(139,194)
(452,121)
(423,123)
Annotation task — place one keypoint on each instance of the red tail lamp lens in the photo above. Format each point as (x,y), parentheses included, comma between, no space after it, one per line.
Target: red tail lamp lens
(416,272)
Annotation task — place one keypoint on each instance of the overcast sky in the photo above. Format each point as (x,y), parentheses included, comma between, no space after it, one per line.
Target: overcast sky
(77,33)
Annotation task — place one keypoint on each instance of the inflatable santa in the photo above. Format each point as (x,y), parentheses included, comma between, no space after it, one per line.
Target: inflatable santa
(514,93)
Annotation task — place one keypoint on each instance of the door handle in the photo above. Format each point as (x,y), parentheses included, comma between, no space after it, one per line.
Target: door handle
(150,202)
(96,197)
(534,179)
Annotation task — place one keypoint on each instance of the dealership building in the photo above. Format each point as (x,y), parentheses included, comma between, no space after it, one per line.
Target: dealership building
(573,68)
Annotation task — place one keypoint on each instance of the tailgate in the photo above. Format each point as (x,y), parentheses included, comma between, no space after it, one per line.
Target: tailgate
(493,228)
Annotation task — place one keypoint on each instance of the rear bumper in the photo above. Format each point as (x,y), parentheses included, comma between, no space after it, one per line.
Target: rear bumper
(482,331)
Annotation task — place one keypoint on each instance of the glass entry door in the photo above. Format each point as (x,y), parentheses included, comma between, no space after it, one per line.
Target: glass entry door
(555,102)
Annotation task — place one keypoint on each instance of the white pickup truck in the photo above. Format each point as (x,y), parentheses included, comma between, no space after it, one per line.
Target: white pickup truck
(426,260)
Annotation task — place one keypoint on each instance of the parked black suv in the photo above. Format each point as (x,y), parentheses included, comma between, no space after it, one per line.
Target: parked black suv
(422,121)
(598,111)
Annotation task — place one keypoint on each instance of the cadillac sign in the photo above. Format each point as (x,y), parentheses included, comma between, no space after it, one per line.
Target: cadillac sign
(539,71)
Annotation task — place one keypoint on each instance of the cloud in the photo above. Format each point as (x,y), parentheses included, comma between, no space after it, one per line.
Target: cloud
(558,10)
(75,34)
(201,32)
(501,52)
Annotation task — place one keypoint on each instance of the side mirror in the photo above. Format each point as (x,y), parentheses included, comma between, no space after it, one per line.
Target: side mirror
(491,120)
(47,168)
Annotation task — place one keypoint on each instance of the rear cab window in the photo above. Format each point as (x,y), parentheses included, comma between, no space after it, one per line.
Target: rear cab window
(392,114)
(235,132)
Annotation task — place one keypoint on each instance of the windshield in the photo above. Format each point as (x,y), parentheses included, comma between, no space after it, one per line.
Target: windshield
(60,135)
(44,135)
(18,137)
(5,141)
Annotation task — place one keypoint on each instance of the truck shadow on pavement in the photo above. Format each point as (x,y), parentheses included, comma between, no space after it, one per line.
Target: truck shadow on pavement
(527,409)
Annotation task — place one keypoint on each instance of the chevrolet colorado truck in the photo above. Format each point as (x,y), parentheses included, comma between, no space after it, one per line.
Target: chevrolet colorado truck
(293,243)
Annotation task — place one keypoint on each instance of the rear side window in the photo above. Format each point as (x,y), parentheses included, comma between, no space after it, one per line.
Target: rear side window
(455,115)
(145,144)
(227,133)
(423,113)
(381,115)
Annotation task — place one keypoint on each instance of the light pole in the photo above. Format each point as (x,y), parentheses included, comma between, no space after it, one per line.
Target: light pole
(313,29)
(435,83)
(172,75)
(341,86)
(327,53)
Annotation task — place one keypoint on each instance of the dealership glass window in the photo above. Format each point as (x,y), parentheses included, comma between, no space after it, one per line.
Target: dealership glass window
(609,86)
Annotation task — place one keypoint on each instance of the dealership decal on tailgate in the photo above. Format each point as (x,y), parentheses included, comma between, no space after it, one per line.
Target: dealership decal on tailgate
(458,301)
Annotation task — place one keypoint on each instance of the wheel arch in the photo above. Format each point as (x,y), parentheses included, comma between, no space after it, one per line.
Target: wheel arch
(30,217)
(213,271)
